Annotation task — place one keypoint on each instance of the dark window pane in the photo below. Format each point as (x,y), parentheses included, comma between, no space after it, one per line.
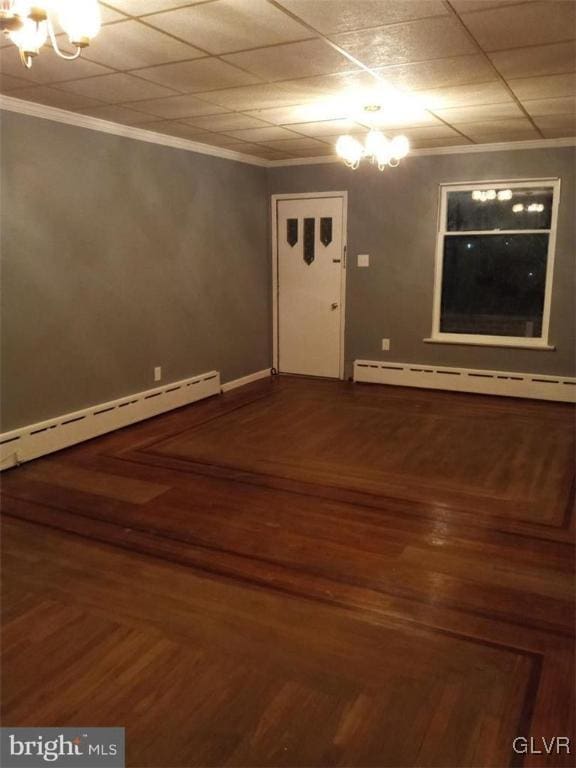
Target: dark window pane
(500,208)
(494,284)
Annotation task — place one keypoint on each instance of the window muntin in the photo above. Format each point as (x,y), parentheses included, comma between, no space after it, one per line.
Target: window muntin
(494,263)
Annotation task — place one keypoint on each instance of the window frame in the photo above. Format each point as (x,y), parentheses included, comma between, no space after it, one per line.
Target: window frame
(538,342)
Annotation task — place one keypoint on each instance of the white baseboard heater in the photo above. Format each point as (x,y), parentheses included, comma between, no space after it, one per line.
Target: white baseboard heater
(47,436)
(532,385)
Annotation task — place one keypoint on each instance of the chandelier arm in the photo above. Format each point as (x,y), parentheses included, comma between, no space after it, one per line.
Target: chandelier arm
(26,59)
(54,41)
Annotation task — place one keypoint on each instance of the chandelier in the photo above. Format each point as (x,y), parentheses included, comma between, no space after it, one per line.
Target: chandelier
(377,148)
(29,23)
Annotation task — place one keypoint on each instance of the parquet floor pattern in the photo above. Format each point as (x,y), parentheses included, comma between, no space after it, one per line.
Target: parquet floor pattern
(301,573)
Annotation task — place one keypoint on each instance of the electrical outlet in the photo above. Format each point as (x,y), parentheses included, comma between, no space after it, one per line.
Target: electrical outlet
(158,373)
(386,345)
(363,259)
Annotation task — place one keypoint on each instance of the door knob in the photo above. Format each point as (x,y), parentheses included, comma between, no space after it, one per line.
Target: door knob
(334,306)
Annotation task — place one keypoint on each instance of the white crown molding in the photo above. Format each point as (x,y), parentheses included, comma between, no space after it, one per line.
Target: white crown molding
(463,149)
(141,134)
(128,131)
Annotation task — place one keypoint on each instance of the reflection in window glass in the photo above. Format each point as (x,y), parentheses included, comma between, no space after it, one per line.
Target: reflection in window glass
(500,208)
(494,284)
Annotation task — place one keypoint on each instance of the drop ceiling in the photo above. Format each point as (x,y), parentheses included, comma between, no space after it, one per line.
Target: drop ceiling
(280,79)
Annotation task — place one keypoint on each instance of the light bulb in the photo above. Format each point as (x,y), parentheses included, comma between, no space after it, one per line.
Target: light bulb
(518,208)
(491,194)
(477,195)
(399,147)
(375,142)
(350,150)
(505,194)
(30,37)
(80,19)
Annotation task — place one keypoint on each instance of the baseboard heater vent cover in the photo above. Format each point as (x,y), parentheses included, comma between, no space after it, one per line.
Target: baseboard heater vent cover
(532,385)
(36,440)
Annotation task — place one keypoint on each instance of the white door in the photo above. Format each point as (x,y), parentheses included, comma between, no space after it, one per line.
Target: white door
(310,287)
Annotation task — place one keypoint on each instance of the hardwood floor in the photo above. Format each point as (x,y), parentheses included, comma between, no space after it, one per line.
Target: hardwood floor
(301,573)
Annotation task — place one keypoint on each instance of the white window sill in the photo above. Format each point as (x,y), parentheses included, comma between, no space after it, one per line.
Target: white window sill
(539,346)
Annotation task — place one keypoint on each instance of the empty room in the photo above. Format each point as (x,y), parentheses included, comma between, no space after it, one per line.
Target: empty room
(288,383)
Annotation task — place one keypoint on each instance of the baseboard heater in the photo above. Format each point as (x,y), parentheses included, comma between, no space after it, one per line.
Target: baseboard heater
(47,436)
(532,385)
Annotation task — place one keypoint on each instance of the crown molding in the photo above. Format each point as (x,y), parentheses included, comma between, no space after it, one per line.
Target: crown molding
(141,134)
(464,149)
(34,109)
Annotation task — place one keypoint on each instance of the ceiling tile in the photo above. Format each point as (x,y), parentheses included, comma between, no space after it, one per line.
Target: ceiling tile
(130,44)
(465,95)
(562,106)
(178,107)
(346,16)
(439,73)
(181,131)
(109,15)
(429,143)
(548,87)
(199,75)
(283,62)
(295,145)
(536,60)
(527,24)
(141,7)
(117,114)
(431,132)
(480,113)
(388,119)
(171,128)
(322,150)
(225,26)
(270,154)
(247,148)
(557,126)
(270,133)
(9,83)
(53,97)
(464,6)
(301,113)
(48,67)
(357,82)
(514,126)
(328,128)
(259,97)
(226,122)
(216,139)
(116,88)
(403,43)
(508,138)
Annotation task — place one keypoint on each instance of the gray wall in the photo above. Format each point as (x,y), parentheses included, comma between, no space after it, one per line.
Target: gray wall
(119,255)
(393,217)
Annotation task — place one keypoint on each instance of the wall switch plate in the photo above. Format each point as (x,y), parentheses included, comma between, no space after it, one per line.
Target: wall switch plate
(386,345)
(158,373)
(363,259)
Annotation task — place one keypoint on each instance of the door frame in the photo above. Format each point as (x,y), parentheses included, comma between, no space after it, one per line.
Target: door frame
(275,284)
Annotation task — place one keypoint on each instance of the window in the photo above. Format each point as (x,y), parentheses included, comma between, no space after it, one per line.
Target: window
(494,263)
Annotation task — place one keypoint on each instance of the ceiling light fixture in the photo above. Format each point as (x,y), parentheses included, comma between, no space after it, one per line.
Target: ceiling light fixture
(29,23)
(377,148)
